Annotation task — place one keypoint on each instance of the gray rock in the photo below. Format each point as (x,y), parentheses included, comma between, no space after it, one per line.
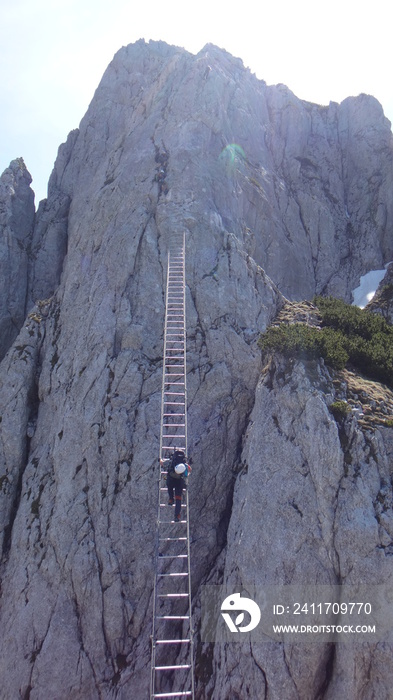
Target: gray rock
(307,512)
(16,229)
(382,302)
(264,186)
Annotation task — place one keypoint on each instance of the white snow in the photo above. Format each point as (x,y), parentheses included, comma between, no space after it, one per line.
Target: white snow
(367,288)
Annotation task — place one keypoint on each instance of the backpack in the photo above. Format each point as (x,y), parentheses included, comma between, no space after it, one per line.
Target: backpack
(178,458)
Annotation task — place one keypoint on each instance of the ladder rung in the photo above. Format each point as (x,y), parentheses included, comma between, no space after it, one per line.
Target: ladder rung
(170,448)
(173,436)
(172,539)
(171,575)
(173,595)
(173,425)
(173,641)
(173,617)
(181,694)
(172,668)
(173,556)
(165,504)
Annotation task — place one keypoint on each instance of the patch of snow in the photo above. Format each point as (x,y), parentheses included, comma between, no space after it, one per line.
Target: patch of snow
(367,287)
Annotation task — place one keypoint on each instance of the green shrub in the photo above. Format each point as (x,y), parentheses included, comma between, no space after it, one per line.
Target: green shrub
(307,343)
(333,347)
(351,319)
(339,409)
(296,339)
(349,335)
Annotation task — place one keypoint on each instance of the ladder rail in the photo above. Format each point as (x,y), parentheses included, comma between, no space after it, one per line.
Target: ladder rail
(185,364)
(157,537)
(173,434)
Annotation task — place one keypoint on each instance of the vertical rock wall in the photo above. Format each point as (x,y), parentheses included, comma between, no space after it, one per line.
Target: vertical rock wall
(312,506)
(273,196)
(16,230)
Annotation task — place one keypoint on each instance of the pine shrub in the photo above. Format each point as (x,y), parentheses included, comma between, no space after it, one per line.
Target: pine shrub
(349,336)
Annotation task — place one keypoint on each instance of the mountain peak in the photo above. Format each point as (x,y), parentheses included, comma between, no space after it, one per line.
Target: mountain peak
(278,199)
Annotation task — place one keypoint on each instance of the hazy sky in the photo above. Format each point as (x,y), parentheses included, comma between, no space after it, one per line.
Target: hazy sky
(54,52)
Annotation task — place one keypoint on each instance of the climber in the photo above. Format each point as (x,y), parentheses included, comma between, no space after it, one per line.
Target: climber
(176,480)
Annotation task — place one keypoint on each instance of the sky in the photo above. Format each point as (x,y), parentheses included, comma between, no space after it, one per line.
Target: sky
(54,52)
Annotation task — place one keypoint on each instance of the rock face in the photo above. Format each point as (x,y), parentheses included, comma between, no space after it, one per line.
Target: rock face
(277,197)
(311,505)
(16,230)
(382,301)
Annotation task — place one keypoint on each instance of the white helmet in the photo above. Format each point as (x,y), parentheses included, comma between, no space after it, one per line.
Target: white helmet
(180,468)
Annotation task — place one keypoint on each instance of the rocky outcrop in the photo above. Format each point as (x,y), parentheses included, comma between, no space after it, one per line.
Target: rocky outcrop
(312,505)
(16,230)
(382,302)
(327,186)
(276,196)
(305,188)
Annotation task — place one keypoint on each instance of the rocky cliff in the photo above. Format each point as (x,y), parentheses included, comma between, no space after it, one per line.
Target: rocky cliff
(278,198)
(16,226)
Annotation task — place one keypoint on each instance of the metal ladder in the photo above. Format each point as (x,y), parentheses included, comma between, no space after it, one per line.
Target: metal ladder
(172,663)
